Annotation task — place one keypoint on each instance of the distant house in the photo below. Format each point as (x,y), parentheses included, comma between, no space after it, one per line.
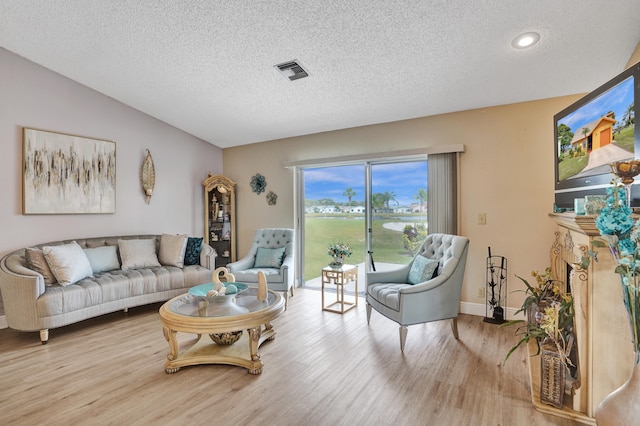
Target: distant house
(402,209)
(594,135)
(329,209)
(355,209)
(417,208)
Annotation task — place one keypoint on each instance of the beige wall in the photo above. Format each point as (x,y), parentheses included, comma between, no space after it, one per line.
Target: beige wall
(506,172)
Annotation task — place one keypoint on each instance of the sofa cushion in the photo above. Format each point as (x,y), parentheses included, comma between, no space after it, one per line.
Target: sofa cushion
(172,249)
(103,259)
(148,285)
(422,269)
(35,260)
(192,252)
(138,253)
(269,257)
(68,263)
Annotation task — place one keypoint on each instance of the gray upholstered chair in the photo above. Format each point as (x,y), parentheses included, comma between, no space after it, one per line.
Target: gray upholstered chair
(416,293)
(271,252)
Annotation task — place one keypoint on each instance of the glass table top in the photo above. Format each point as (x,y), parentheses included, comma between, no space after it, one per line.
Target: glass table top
(222,306)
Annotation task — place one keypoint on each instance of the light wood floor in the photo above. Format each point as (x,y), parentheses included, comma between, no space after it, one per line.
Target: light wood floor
(322,369)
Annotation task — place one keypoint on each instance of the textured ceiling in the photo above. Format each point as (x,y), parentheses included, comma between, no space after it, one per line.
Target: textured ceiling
(207,67)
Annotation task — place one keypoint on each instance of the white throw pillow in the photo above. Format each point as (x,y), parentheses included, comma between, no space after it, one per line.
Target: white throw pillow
(68,263)
(103,259)
(172,248)
(138,253)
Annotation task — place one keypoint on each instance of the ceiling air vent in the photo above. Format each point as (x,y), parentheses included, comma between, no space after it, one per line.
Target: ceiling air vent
(292,70)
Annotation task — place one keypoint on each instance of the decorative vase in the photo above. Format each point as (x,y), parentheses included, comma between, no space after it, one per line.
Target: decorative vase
(626,171)
(622,406)
(535,312)
(337,262)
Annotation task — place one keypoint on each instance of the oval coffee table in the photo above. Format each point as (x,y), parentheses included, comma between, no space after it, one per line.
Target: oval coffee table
(221,319)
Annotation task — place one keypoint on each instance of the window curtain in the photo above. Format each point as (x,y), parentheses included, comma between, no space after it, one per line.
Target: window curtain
(442,196)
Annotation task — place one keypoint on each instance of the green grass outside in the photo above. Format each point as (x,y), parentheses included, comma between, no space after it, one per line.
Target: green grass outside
(624,139)
(572,166)
(322,231)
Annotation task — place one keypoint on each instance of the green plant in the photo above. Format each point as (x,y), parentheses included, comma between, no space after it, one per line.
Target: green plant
(413,236)
(339,250)
(553,323)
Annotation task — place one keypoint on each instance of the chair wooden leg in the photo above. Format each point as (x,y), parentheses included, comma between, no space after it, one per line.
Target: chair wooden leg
(44,336)
(368,313)
(286,299)
(403,336)
(454,327)
(291,291)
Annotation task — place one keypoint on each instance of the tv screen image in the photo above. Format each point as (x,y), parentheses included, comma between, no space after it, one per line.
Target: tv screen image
(591,134)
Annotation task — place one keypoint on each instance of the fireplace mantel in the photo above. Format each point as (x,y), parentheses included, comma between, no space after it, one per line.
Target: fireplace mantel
(604,343)
(583,224)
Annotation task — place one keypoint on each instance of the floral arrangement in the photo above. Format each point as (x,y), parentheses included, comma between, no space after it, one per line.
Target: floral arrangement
(341,250)
(552,322)
(622,235)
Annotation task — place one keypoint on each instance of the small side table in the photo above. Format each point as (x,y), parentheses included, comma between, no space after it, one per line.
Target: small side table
(340,277)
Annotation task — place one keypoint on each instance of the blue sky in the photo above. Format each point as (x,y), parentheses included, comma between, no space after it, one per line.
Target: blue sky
(616,99)
(402,178)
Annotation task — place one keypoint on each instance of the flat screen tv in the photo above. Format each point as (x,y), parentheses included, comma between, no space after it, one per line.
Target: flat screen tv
(594,132)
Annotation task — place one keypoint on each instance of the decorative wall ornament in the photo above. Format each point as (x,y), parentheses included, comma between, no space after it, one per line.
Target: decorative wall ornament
(272,198)
(148,176)
(258,183)
(67,174)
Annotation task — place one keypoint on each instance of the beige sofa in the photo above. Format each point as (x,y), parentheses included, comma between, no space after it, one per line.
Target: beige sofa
(50,285)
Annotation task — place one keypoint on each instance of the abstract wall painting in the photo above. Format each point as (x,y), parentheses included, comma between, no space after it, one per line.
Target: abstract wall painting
(66,174)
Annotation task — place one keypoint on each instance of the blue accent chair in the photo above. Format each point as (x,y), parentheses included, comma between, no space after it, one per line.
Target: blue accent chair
(436,298)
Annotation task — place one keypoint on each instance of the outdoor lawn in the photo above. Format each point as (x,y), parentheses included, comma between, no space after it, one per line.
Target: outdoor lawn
(323,230)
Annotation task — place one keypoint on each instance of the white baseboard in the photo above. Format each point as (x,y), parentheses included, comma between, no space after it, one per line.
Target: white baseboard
(480,310)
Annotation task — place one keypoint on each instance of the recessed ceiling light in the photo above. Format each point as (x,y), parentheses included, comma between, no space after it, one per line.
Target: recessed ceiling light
(525,40)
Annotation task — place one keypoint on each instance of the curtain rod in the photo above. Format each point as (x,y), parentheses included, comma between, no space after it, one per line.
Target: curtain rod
(388,155)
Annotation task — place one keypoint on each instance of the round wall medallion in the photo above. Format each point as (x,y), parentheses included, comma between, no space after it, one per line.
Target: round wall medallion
(272,198)
(258,183)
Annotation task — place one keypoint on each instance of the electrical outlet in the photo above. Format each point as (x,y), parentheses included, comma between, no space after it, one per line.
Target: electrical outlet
(480,292)
(482,218)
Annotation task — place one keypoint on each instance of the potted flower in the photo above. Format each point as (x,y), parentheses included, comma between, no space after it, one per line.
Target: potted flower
(545,294)
(549,324)
(338,251)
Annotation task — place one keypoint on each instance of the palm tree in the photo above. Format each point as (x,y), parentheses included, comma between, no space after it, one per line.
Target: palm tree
(377,201)
(628,116)
(421,196)
(388,197)
(349,193)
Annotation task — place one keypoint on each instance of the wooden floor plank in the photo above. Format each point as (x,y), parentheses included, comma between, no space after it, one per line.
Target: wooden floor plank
(322,369)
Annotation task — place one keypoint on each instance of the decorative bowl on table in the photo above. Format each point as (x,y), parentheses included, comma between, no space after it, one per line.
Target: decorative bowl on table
(231,291)
(228,338)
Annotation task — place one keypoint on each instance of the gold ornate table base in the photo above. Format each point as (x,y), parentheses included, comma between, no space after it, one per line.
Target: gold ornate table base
(188,314)
(243,353)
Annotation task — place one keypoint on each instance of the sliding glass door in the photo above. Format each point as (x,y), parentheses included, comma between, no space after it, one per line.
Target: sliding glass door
(380,209)
(398,213)
(334,212)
